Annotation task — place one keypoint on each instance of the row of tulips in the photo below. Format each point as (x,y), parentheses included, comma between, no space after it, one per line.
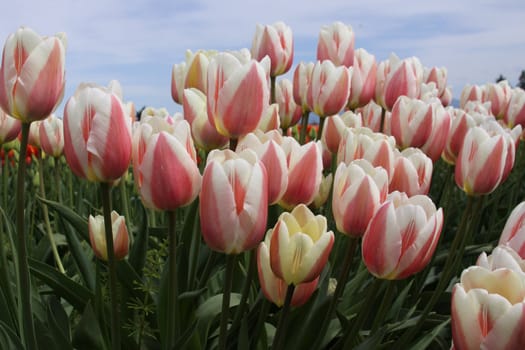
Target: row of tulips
(378,177)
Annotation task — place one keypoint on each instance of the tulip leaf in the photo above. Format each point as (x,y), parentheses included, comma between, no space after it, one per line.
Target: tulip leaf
(426,340)
(59,323)
(80,256)
(208,311)
(76,294)
(374,341)
(87,334)
(78,222)
(8,338)
(137,255)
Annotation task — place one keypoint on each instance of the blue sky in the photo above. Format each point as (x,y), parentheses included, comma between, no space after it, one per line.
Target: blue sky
(137,42)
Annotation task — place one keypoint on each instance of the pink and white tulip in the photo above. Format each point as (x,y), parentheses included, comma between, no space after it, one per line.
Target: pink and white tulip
(97,236)
(513,233)
(9,127)
(32,74)
(302,76)
(51,134)
(329,88)
(336,43)
(402,236)
(364,75)
(335,126)
(276,42)
(289,112)
(412,172)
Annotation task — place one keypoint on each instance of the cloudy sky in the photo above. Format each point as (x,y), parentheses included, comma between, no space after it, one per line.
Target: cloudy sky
(137,42)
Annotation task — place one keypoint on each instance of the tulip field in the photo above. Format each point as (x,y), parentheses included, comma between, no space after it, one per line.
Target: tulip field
(337,204)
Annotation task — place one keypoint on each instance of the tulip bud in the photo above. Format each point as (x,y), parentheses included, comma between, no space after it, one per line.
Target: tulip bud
(513,233)
(51,133)
(336,43)
(329,88)
(9,127)
(97,236)
(276,42)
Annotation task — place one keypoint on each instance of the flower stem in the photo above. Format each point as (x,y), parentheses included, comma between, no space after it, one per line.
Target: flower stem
(45,211)
(385,305)
(115,316)
(172,280)
(24,284)
(280,332)
(341,284)
(265,307)
(321,127)
(272,89)
(252,263)
(125,206)
(228,279)
(304,126)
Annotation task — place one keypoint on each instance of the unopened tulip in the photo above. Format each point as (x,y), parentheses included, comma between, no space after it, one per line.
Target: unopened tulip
(276,42)
(273,157)
(324,191)
(481,161)
(438,76)
(513,233)
(335,126)
(502,256)
(412,172)
(238,94)
(301,81)
(205,135)
(358,190)
(165,163)
(274,288)
(499,95)
(461,122)
(395,78)
(488,309)
(233,201)
(9,127)
(363,143)
(371,115)
(336,43)
(51,133)
(305,172)
(34,134)
(470,93)
(515,111)
(97,134)
(329,88)
(32,75)
(270,119)
(97,236)
(402,236)
(289,112)
(363,84)
(299,246)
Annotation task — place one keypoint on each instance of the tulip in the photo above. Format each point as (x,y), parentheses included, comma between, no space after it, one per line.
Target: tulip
(487,309)
(515,111)
(270,119)
(499,95)
(461,122)
(470,93)
(204,134)
(165,163)
(301,81)
(32,75)
(363,84)
(305,172)
(273,157)
(51,134)
(335,126)
(503,256)
(299,246)
(358,190)
(478,107)
(513,233)
(274,288)
(371,115)
(238,94)
(233,201)
(481,161)
(289,112)
(438,76)
(336,43)
(402,236)
(9,127)
(412,172)
(276,42)
(397,78)
(97,134)
(97,236)
(34,134)
(436,142)
(329,88)
(363,143)
(324,191)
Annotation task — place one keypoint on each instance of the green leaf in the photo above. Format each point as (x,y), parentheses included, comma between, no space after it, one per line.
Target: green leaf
(426,340)
(76,294)
(58,323)
(209,310)
(87,334)
(9,339)
(373,341)
(80,256)
(137,255)
(78,222)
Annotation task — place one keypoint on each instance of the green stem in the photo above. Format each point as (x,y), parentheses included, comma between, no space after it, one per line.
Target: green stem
(341,284)
(272,89)
(252,264)
(5,281)
(24,286)
(304,126)
(172,280)
(58,179)
(454,258)
(228,279)
(383,115)
(70,188)
(45,210)
(280,333)
(115,316)
(5,177)
(321,127)
(385,305)
(261,319)
(364,310)
(125,206)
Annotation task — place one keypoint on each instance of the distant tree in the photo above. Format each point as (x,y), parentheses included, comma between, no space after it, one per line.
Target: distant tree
(500,78)
(521,80)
